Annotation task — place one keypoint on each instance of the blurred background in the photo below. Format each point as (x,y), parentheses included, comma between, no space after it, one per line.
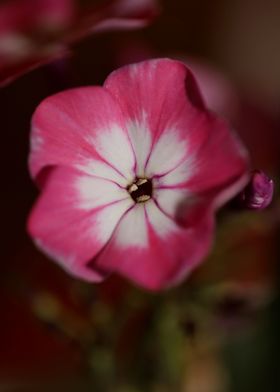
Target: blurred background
(219,330)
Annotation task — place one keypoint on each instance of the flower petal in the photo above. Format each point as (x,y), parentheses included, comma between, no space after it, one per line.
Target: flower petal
(82,128)
(150,249)
(170,200)
(163,107)
(75,217)
(218,169)
(124,14)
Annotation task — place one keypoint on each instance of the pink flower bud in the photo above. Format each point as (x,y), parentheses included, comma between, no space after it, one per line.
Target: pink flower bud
(258,193)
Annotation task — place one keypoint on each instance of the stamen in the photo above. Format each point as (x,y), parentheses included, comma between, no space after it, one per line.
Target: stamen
(141,190)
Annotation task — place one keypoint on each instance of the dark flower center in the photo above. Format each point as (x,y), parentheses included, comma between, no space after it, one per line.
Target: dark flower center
(141,190)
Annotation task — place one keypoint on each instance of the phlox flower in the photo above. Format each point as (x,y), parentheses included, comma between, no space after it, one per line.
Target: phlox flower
(131,175)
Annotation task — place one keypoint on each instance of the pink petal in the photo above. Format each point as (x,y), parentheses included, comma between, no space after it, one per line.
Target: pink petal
(218,169)
(162,105)
(151,250)
(183,207)
(53,14)
(74,218)
(82,128)
(125,14)
(29,15)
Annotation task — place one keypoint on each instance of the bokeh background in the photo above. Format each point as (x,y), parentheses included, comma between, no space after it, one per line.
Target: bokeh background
(219,330)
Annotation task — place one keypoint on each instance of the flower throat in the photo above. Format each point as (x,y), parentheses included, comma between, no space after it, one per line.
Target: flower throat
(141,190)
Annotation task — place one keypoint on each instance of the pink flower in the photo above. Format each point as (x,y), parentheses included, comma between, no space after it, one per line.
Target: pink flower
(35,32)
(131,175)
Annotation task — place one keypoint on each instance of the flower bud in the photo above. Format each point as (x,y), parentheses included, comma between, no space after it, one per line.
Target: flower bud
(258,194)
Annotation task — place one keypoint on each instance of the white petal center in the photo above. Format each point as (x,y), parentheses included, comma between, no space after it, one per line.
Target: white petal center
(168,151)
(114,146)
